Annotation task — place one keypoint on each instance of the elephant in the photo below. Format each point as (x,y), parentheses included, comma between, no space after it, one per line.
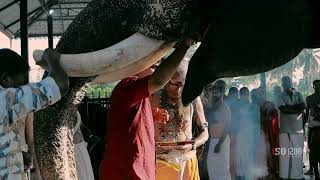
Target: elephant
(240,37)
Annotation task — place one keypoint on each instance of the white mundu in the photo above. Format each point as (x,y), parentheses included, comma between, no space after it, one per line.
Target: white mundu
(291,138)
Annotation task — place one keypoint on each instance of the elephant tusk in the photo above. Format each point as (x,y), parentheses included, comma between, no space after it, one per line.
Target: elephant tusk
(136,67)
(121,60)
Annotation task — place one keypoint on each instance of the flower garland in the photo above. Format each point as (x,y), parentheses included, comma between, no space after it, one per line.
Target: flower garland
(173,127)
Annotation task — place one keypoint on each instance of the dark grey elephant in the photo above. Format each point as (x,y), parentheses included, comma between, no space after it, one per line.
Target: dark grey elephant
(244,37)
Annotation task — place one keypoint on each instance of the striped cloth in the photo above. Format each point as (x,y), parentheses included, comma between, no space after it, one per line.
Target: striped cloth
(15,104)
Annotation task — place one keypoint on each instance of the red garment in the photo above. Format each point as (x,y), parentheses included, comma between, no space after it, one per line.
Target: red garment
(270,125)
(275,131)
(275,141)
(130,152)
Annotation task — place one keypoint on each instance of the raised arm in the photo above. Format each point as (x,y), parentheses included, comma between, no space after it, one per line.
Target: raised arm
(16,103)
(51,63)
(167,68)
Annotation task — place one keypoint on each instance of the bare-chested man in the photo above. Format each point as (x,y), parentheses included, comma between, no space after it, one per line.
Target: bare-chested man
(218,115)
(182,159)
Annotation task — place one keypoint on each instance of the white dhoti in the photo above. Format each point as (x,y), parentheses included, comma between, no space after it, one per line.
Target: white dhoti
(218,163)
(261,167)
(83,164)
(291,156)
(245,154)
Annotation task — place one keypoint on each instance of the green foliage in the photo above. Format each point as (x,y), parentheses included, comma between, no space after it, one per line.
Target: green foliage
(101,90)
(303,69)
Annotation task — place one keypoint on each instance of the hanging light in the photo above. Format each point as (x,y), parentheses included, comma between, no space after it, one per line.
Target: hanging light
(51,11)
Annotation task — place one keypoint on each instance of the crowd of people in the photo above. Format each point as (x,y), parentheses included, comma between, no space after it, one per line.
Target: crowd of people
(152,135)
(246,136)
(253,138)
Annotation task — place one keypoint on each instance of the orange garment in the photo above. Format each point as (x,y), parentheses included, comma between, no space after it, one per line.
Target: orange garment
(190,171)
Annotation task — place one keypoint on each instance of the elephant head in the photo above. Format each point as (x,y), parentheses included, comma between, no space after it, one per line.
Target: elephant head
(245,37)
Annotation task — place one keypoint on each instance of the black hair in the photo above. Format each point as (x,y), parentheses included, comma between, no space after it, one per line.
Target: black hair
(316,81)
(12,63)
(244,91)
(220,85)
(233,90)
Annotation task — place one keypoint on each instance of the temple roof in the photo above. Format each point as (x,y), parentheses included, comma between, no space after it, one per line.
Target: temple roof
(64,12)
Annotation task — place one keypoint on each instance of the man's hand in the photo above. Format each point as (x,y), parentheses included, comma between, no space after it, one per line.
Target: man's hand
(50,61)
(185,148)
(189,41)
(185,43)
(160,115)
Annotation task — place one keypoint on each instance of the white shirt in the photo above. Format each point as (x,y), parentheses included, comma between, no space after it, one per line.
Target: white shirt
(291,123)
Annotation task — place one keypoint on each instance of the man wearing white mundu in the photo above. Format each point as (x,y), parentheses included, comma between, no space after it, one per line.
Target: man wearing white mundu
(291,131)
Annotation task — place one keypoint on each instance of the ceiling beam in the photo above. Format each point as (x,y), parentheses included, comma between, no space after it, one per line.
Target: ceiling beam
(44,35)
(8,33)
(18,20)
(68,7)
(37,14)
(61,21)
(80,2)
(32,19)
(58,18)
(8,5)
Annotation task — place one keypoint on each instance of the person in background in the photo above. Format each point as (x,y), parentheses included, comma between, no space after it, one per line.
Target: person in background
(83,163)
(291,131)
(232,101)
(313,118)
(269,132)
(276,97)
(246,139)
(218,115)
